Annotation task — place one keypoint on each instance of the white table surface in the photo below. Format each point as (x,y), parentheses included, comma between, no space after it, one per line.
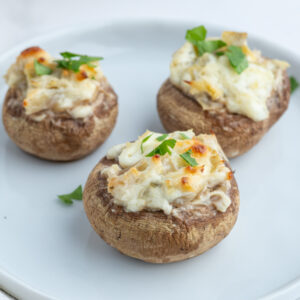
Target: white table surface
(273,20)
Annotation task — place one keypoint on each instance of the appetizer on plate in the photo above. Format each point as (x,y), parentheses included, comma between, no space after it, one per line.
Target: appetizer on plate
(163,197)
(58,109)
(222,86)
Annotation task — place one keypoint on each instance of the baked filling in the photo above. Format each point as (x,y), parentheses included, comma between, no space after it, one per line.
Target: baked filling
(50,88)
(169,172)
(211,80)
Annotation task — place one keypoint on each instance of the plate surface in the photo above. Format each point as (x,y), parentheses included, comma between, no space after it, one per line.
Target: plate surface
(52,248)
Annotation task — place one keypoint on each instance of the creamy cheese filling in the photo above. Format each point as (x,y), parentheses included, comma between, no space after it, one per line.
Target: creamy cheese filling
(61,91)
(214,84)
(165,182)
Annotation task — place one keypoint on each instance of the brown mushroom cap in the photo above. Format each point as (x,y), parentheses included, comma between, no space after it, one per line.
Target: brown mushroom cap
(235,133)
(153,236)
(60,138)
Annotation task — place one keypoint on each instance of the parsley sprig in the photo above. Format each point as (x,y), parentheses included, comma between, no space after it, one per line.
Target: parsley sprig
(235,55)
(197,37)
(294,84)
(209,46)
(196,34)
(144,141)
(188,159)
(41,69)
(162,137)
(163,148)
(72,61)
(75,195)
(237,58)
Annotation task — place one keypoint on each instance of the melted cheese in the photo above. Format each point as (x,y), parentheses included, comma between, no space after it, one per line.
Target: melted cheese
(164,182)
(61,91)
(214,84)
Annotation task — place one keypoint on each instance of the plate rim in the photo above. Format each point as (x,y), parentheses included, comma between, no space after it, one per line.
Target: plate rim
(16,286)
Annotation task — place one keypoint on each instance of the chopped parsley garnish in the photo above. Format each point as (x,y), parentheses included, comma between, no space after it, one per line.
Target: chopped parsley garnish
(237,58)
(197,37)
(294,84)
(183,136)
(190,160)
(196,34)
(209,46)
(162,137)
(163,148)
(72,61)
(220,53)
(41,69)
(75,195)
(144,141)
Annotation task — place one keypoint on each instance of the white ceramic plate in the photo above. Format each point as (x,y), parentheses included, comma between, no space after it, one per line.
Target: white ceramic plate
(50,250)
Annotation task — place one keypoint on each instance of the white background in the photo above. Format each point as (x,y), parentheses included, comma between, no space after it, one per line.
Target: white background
(272,19)
(275,20)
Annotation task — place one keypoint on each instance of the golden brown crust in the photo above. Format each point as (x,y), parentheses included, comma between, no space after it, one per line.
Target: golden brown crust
(153,236)
(29,52)
(60,137)
(235,133)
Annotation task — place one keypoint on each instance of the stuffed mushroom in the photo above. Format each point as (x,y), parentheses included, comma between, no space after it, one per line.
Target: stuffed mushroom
(58,109)
(222,86)
(164,197)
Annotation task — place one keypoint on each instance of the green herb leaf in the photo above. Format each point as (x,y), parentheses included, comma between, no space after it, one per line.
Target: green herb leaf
(70,55)
(72,61)
(144,141)
(190,160)
(197,37)
(294,83)
(41,69)
(75,195)
(183,136)
(163,148)
(196,34)
(220,53)
(65,199)
(72,65)
(237,58)
(162,137)
(209,46)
